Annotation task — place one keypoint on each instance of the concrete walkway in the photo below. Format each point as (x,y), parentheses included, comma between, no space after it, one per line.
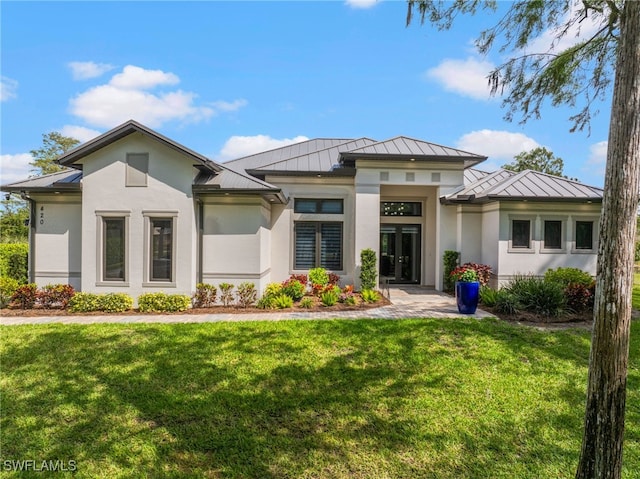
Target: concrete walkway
(407,302)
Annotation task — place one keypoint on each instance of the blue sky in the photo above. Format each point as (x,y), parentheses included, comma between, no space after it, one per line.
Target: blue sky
(231,78)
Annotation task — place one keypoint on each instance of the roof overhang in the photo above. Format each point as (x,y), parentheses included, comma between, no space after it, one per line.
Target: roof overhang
(71,157)
(344,172)
(272,195)
(350,158)
(472,199)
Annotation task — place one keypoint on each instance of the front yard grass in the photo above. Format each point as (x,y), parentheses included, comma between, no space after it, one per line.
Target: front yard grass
(324,399)
(635,297)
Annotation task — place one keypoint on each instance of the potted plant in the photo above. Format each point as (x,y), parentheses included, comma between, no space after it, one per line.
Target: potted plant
(467,289)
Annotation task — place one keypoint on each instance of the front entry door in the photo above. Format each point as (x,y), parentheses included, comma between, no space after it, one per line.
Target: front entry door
(400,253)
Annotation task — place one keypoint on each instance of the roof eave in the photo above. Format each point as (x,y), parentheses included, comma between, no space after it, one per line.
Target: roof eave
(217,191)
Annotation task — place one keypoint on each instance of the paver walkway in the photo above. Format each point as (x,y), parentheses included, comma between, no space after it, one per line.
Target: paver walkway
(407,302)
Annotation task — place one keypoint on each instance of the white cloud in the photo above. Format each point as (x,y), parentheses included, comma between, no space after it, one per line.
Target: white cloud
(15,167)
(86,70)
(126,97)
(597,161)
(239,146)
(8,88)
(361,3)
(79,132)
(136,78)
(465,77)
(499,146)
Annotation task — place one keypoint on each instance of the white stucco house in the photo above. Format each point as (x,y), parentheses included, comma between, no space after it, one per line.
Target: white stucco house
(137,212)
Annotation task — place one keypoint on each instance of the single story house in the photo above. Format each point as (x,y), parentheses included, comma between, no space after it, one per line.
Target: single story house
(137,212)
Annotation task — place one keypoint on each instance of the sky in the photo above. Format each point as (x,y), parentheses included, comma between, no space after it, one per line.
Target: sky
(228,79)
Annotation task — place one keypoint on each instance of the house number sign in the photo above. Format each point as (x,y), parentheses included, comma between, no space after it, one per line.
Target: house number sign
(41,215)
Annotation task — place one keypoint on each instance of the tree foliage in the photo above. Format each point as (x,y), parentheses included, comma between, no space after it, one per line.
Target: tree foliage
(54,144)
(13,221)
(538,159)
(577,71)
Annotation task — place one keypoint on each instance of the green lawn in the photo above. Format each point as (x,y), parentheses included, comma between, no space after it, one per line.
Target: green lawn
(635,298)
(323,399)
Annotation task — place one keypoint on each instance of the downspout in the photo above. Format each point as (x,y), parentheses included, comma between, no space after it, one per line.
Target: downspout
(31,258)
(199,273)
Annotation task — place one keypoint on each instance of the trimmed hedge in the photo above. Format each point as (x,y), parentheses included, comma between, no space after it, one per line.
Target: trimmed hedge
(162,302)
(14,261)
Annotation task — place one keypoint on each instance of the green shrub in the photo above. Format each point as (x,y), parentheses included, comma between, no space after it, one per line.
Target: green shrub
(450,262)
(265,302)
(506,302)
(25,296)
(318,277)
(488,296)
(294,289)
(567,276)
(84,303)
(637,255)
(115,302)
(162,302)
(55,295)
(483,272)
(350,300)
(272,289)
(282,301)
(370,296)
(306,303)
(538,295)
(246,294)
(368,269)
(14,261)
(329,297)
(226,293)
(205,296)
(8,286)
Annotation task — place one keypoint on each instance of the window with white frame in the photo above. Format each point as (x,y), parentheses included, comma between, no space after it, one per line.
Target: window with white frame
(552,235)
(160,248)
(584,235)
(112,247)
(318,244)
(521,234)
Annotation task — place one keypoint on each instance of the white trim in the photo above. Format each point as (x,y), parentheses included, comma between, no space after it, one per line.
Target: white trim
(563,234)
(100,217)
(532,230)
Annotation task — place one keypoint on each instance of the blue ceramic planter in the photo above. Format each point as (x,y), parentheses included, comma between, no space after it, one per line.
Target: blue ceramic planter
(467,294)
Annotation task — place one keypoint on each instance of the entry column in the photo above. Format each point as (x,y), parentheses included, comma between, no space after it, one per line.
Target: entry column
(367,222)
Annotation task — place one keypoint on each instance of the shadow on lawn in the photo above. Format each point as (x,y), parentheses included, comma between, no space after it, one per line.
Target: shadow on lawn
(325,399)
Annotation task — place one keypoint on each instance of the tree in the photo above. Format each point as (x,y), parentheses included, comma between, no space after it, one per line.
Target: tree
(13,221)
(54,144)
(583,72)
(538,159)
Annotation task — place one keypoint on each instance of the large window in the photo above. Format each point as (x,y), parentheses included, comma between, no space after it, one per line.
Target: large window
(318,244)
(552,234)
(521,234)
(584,235)
(161,249)
(321,206)
(113,244)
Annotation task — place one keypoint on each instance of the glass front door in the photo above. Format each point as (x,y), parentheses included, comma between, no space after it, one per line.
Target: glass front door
(400,253)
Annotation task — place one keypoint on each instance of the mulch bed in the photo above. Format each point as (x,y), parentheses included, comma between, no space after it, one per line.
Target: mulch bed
(37,312)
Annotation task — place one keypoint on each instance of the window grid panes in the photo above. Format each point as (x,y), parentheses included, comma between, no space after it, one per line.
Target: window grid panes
(161,249)
(320,206)
(114,249)
(318,244)
(401,208)
(553,234)
(520,234)
(584,234)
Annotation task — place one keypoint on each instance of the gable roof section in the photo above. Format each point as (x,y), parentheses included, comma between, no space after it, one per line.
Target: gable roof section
(320,161)
(402,146)
(473,174)
(71,157)
(284,153)
(66,180)
(505,185)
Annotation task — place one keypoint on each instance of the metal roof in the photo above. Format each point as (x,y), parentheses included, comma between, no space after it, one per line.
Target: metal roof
(284,153)
(472,174)
(402,146)
(317,161)
(504,185)
(67,179)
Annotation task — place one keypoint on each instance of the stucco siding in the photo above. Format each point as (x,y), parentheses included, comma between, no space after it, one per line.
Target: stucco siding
(235,242)
(58,230)
(166,195)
